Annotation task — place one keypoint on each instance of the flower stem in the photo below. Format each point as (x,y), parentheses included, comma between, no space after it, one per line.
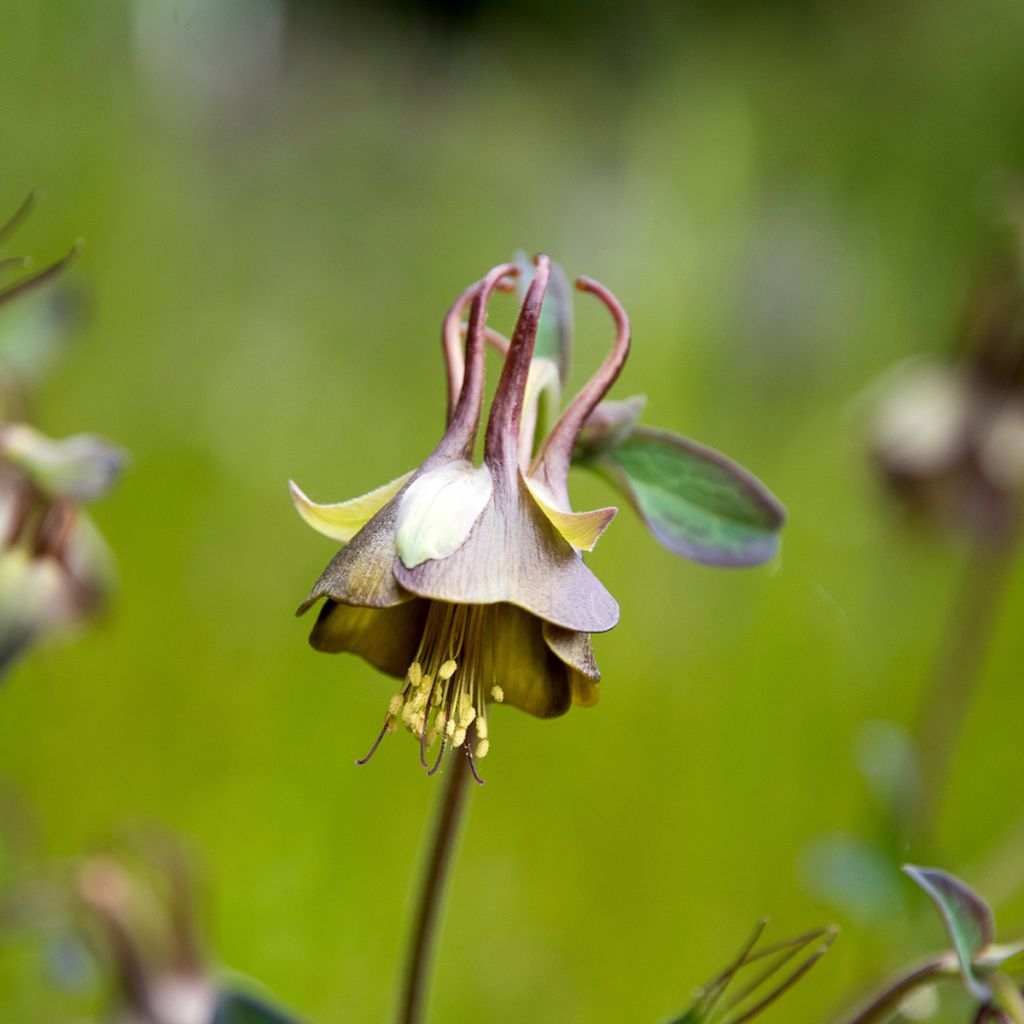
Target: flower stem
(958,665)
(445,836)
(885,1003)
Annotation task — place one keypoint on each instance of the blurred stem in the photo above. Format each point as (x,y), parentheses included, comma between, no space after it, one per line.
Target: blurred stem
(446,833)
(885,1003)
(948,697)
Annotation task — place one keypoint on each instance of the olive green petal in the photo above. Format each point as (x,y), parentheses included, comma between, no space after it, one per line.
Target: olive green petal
(514,554)
(385,637)
(585,692)
(360,573)
(530,675)
(577,651)
(574,648)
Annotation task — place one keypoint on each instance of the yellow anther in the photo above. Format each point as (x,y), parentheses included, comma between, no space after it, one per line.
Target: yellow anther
(392,725)
(481,727)
(460,737)
(396,704)
(467,716)
(447,670)
(450,727)
(415,673)
(426,683)
(497,694)
(438,693)
(482,747)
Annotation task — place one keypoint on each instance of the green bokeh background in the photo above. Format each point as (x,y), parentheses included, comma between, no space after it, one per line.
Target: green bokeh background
(787,198)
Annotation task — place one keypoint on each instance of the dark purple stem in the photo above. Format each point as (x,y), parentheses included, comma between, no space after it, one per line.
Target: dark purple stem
(441,847)
(555,455)
(501,445)
(885,1003)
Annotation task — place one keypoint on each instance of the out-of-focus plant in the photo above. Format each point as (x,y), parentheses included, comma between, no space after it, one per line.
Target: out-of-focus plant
(990,972)
(139,914)
(55,570)
(948,441)
(467,581)
(751,982)
(132,913)
(948,435)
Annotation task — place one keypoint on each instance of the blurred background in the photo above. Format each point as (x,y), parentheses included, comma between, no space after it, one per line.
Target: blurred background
(279,202)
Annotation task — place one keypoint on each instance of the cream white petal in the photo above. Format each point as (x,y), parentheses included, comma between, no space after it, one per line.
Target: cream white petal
(438,509)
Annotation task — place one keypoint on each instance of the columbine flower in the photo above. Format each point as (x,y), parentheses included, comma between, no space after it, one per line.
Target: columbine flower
(467,581)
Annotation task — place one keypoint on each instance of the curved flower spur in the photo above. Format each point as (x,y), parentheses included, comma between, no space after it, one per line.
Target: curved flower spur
(468,581)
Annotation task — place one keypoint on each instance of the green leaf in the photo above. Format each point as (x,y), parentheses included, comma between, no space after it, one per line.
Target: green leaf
(695,501)
(968,919)
(242,1008)
(554,332)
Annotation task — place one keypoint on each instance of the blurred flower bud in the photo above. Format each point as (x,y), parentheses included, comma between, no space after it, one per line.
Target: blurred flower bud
(55,569)
(948,436)
(81,468)
(140,916)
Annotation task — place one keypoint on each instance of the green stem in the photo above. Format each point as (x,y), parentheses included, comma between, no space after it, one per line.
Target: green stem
(960,658)
(442,844)
(885,1003)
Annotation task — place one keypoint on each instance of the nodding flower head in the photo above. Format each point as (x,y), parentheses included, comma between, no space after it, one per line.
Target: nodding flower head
(467,580)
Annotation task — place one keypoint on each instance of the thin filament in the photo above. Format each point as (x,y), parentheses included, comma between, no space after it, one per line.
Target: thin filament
(376,742)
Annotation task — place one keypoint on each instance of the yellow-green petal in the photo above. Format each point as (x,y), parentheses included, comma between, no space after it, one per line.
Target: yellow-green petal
(385,637)
(530,675)
(581,529)
(344,519)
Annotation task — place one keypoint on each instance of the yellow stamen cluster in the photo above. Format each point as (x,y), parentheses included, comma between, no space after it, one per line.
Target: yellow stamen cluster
(450,682)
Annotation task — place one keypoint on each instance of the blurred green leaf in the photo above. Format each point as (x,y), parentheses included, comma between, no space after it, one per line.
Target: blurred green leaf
(241,1008)
(697,503)
(968,919)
